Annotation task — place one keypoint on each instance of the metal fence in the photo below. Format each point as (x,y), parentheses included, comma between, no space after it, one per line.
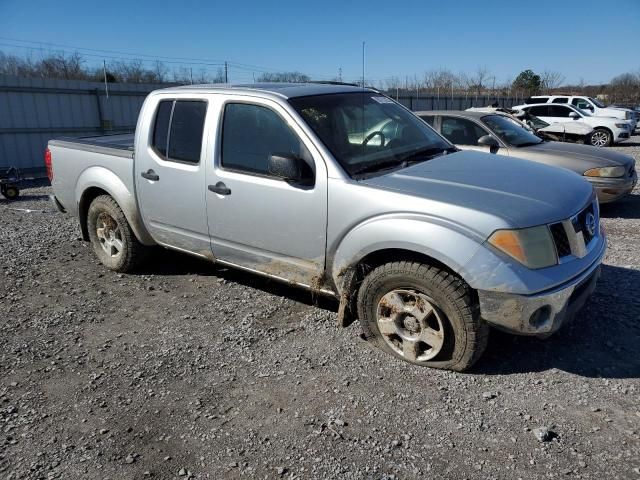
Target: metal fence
(33,110)
(455,102)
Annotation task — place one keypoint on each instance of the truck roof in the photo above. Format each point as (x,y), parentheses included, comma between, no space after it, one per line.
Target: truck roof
(284,90)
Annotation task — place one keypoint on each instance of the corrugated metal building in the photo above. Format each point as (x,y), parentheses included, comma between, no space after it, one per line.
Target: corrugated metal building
(34,110)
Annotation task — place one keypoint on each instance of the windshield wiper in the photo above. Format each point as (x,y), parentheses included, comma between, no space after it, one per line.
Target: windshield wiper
(417,156)
(381,165)
(424,154)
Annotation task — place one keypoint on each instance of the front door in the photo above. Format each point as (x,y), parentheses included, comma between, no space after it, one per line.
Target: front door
(256,220)
(169,175)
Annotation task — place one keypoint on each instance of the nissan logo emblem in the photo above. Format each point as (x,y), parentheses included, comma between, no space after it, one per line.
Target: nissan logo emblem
(590,223)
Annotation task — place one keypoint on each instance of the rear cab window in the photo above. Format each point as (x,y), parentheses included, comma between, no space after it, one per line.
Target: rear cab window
(178,130)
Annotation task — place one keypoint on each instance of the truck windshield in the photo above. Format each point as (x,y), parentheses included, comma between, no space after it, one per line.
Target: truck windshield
(368,132)
(510,132)
(597,102)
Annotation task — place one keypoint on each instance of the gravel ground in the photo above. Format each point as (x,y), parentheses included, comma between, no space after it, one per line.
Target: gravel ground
(191,370)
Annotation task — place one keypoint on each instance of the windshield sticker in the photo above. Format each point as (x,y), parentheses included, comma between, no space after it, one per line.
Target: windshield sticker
(382,99)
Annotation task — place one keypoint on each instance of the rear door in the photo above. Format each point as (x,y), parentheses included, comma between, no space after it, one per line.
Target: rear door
(256,220)
(542,112)
(169,174)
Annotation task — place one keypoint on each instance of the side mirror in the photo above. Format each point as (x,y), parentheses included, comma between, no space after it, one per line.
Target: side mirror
(573,115)
(488,141)
(287,167)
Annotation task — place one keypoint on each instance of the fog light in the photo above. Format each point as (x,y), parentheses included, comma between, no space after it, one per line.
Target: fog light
(540,317)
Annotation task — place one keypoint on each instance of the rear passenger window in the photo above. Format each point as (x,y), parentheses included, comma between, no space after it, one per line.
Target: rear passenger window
(251,133)
(178,129)
(161,127)
(560,100)
(540,111)
(187,126)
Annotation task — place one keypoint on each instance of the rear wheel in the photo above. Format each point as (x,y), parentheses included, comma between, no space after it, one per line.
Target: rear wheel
(11,192)
(601,138)
(423,315)
(113,241)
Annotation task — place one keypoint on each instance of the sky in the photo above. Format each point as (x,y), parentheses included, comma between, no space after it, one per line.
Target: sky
(586,40)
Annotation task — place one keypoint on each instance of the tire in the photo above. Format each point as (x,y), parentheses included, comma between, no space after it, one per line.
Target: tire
(601,137)
(112,239)
(443,311)
(11,192)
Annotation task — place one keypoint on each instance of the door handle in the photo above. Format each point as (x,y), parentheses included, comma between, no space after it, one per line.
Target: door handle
(220,188)
(150,175)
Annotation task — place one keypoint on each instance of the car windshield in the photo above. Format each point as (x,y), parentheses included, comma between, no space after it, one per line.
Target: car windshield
(597,102)
(368,132)
(510,132)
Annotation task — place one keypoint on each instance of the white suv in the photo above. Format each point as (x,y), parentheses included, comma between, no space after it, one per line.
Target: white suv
(607,130)
(588,104)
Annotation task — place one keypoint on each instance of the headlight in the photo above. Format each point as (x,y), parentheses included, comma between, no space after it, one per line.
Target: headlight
(622,125)
(533,247)
(605,172)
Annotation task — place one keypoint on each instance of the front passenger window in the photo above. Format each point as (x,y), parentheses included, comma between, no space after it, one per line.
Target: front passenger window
(251,134)
(460,131)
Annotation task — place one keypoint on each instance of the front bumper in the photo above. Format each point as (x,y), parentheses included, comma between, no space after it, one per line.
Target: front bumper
(612,189)
(543,313)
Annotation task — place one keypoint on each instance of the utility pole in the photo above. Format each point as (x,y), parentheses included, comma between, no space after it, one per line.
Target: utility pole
(226,72)
(340,74)
(191,74)
(106,86)
(362,64)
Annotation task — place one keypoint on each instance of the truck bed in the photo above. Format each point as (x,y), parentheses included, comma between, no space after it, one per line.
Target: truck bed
(122,142)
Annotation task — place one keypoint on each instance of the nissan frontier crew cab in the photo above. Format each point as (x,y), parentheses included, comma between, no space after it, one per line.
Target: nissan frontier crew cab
(343,191)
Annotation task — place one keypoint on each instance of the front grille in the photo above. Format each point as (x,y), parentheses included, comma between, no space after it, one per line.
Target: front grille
(566,236)
(560,239)
(580,225)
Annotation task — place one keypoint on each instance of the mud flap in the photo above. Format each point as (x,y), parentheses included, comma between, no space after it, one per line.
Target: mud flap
(347,313)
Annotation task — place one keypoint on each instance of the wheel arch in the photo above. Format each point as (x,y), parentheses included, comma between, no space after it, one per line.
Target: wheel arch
(100,181)
(418,240)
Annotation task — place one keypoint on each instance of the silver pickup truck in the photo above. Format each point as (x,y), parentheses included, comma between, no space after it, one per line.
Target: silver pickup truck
(345,192)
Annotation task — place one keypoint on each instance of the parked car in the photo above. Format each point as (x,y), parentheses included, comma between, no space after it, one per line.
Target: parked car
(572,132)
(607,131)
(587,104)
(425,244)
(612,174)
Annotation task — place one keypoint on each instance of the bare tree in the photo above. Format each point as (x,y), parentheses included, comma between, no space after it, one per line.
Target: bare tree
(551,80)
(294,77)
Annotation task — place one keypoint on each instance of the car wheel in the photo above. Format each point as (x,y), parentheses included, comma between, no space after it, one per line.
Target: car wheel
(113,241)
(11,192)
(423,315)
(601,138)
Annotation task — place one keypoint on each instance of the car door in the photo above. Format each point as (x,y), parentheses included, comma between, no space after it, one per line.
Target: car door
(463,133)
(542,112)
(257,220)
(169,175)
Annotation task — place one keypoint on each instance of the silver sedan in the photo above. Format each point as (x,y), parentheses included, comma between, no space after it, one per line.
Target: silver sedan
(612,174)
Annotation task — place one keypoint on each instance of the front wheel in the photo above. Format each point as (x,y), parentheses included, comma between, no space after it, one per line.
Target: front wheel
(113,241)
(423,315)
(601,138)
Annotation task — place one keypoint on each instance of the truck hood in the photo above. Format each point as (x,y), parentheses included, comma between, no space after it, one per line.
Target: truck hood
(519,192)
(578,158)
